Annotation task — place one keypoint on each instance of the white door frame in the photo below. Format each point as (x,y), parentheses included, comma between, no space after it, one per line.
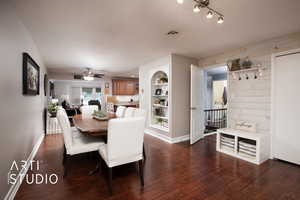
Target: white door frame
(206,68)
(273,113)
(196,104)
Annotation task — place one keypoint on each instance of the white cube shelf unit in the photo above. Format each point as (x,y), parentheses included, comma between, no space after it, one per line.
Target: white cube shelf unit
(248,146)
(160,101)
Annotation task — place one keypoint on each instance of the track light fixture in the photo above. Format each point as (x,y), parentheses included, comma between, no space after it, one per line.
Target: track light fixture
(209,14)
(196,9)
(205,4)
(220,20)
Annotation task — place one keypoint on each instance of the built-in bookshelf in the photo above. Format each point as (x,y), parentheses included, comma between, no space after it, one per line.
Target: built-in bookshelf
(160,101)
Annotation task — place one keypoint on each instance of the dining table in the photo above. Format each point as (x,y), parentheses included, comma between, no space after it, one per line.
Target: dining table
(92,126)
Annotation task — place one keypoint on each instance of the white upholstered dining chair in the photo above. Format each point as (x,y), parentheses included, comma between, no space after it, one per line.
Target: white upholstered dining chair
(75,132)
(138,112)
(125,139)
(120,111)
(129,112)
(87,111)
(75,145)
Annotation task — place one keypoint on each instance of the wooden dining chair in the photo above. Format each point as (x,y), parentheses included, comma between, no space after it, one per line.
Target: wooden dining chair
(120,111)
(75,145)
(125,139)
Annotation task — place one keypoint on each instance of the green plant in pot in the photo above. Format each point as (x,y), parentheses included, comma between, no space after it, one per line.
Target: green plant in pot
(159,121)
(99,114)
(52,109)
(164,79)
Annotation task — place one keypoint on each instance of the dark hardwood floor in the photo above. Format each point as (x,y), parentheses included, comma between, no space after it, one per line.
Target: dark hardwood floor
(177,171)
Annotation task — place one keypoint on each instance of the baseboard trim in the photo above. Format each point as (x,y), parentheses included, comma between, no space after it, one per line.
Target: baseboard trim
(14,188)
(181,139)
(167,138)
(212,133)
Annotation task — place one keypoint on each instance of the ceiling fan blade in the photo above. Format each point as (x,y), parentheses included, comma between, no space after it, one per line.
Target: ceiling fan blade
(98,75)
(78,76)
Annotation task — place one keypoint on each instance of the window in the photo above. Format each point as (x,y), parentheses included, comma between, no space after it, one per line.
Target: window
(91,94)
(87,94)
(98,93)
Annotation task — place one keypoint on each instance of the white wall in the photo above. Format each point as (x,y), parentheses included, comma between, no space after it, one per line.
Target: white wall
(250,100)
(21,117)
(179,91)
(180,79)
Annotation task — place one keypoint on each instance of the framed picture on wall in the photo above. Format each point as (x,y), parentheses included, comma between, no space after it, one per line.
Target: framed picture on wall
(158,91)
(106,85)
(45,84)
(31,76)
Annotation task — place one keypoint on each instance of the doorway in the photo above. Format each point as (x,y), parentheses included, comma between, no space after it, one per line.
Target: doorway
(215,98)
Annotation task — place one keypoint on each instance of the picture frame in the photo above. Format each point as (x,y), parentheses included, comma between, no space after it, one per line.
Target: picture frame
(106,85)
(165,92)
(166,103)
(158,91)
(45,84)
(31,76)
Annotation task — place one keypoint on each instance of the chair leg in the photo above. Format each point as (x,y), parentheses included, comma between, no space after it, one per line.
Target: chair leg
(110,180)
(144,152)
(141,171)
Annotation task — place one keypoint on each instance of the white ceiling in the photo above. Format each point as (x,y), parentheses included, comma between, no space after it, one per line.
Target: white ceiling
(120,35)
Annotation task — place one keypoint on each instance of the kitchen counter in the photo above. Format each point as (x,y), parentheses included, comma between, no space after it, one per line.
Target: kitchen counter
(127,104)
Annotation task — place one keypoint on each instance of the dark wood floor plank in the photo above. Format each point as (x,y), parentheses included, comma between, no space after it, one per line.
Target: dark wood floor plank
(172,171)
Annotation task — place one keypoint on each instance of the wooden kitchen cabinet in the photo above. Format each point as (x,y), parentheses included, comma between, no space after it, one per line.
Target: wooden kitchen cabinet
(125,86)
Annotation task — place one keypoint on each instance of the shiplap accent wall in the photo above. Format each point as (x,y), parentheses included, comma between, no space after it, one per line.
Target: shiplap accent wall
(250,100)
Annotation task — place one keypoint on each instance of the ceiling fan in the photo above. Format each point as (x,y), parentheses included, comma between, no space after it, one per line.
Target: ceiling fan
(88,75)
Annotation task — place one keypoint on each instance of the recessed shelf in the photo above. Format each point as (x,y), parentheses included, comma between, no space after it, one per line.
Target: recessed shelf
(159,101)
(160,127)
(161,117)
(160,95)
(160,106)
(161,84)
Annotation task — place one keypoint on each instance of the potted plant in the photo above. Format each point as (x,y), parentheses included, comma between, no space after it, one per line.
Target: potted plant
(52,109)
(164,79)
(159,121)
